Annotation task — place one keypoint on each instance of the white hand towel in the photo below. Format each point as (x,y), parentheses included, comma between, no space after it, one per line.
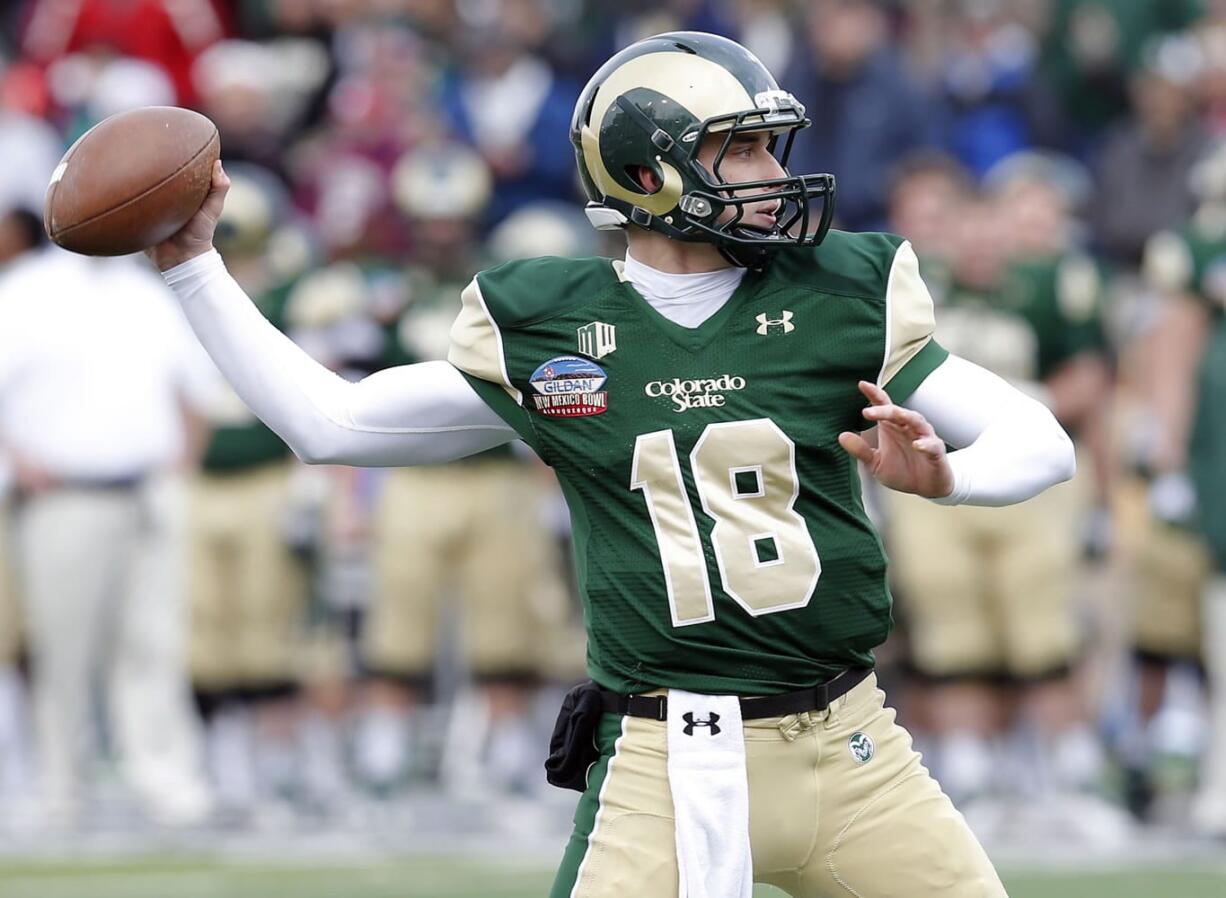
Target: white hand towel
(706,774)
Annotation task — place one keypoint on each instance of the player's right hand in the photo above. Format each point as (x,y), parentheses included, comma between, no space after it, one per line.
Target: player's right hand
(196,237)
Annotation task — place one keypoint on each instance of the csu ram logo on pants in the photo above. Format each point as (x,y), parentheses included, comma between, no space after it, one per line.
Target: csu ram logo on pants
(700,392)
(862,747)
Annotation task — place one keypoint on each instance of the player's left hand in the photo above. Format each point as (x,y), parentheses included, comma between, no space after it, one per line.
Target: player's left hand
(909,457)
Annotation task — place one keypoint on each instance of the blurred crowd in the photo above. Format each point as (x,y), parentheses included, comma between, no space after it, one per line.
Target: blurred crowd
(193,618)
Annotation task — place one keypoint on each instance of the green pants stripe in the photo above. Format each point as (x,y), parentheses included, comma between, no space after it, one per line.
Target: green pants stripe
(589,806)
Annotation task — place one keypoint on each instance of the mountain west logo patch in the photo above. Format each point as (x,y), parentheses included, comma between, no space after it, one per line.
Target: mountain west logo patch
(597,339)
(570,387)
(781,325)
(861,747)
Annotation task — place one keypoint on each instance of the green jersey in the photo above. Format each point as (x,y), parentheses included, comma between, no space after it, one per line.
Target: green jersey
(422,333)
(1043,313)
(1091,47)
(1193,262)
(720,538)
(239,440)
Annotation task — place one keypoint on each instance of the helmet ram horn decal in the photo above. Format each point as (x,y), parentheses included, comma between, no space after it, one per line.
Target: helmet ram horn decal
(653,104)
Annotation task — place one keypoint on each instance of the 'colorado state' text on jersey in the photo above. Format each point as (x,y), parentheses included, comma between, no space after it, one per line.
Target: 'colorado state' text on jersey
(720,538)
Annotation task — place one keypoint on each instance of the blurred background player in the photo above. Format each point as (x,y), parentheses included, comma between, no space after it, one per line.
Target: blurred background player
(97,375)
(482,551)
(19,229)
(1090,51)
(14,751)
(873,116)
(508,103)
(990,595)
(1188,393)
(248,589)
(1141,172)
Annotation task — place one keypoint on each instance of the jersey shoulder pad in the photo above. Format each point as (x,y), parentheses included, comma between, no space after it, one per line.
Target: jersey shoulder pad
(1168,262)
(527,290)
(844,263)
(1078,287)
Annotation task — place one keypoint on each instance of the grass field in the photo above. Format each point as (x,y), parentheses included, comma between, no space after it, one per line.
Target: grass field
(470,877)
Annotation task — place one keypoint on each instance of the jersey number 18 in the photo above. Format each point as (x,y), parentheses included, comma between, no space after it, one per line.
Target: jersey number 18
(745,473)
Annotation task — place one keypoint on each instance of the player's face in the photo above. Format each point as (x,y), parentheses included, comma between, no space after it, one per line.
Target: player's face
(747,159)
(920,210)
(979,244)
(1037,219)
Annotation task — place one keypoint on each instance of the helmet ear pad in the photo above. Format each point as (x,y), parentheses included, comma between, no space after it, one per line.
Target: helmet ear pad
(651,179)
(646,177)
(623,183)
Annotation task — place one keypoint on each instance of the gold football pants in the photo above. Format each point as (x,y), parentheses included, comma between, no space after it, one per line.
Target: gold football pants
(248,592)
(822,822)
(474,526)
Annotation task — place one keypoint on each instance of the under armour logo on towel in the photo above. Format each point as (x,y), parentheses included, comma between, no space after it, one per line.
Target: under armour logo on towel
(784,321)
(690,723)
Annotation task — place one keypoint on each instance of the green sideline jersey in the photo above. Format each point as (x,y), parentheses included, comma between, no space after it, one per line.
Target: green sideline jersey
(1043,313)
(720,538)
(1193,262)
(239,440)
(422,333)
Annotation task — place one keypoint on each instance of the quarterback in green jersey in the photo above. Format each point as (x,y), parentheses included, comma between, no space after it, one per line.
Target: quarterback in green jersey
(701,402)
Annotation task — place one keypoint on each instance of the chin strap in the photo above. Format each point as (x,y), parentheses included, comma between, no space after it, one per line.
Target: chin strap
(755,257)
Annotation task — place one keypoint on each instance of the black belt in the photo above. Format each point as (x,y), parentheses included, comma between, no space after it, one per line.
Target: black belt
(124,484)
(815,698)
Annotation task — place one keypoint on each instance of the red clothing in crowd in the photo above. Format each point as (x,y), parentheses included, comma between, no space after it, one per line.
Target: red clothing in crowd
(171,33)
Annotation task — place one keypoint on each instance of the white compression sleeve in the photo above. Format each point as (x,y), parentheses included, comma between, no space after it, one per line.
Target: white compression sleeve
(414,414)
(1009,446)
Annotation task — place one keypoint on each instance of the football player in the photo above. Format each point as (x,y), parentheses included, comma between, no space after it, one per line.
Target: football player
(481,546)
(1189,381)
(13,750)
(699,401)
(990,596)
(248,591)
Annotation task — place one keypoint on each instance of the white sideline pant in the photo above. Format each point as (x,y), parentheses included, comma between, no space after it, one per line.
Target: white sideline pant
(102,580)
(1209,808)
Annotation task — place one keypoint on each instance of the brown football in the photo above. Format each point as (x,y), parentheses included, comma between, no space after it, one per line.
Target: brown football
(131,181)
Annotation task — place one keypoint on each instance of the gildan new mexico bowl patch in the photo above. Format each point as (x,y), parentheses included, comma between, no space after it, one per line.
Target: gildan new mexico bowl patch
(570,387)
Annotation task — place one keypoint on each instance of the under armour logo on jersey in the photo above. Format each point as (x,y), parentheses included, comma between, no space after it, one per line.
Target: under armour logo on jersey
(784,321)
(712,722)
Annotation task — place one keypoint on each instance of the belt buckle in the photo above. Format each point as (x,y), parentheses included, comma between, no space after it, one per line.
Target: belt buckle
(657,707)
(823,696)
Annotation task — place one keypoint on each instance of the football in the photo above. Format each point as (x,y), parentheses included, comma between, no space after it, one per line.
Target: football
(131,181)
